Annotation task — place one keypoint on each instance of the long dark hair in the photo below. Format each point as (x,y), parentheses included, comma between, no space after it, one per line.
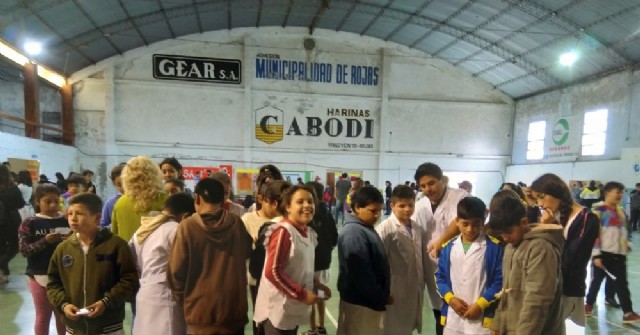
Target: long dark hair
(552,185)
(24,177)
(5,177)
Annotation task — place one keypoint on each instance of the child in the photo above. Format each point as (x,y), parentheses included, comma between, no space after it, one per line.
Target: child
(610,251)
(39,235)
(75,185)
(531,296)
(469,273)
(92,301)
(207,270)
(287,288)
(364,278)
(228,203)
(404,243)
(173,185)
(150,245)
(324,225)
(269,196)
(107,209)
(88,180)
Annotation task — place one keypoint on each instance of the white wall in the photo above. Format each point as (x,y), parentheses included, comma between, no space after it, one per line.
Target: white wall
(423,109)
(52,157)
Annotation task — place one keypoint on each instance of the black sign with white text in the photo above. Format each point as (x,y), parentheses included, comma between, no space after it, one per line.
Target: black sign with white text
(213,70)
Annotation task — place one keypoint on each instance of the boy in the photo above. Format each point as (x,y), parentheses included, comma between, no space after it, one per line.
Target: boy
(88,180)
(212,291)
(469,273)
(173,185)
(107,210)
(405,244)
(364,278)
(531,296)
(75,185)
(92,301)
(610,251)
(228,203)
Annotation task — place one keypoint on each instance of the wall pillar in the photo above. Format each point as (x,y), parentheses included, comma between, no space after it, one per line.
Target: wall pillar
(31,101)
(68,130)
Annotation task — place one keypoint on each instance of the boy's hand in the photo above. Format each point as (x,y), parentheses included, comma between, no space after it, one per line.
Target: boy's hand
(310,298)
(434,249)
(96,309)
(473,312)
(70,312)
(390,300)
(597,262)
(459,306)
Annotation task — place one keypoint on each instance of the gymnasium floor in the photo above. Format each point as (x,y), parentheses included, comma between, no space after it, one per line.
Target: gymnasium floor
(17,312)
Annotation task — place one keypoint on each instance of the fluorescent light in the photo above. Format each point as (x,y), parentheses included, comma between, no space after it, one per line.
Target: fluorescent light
(51,76)
(9,52)
(568,58)
(33,48)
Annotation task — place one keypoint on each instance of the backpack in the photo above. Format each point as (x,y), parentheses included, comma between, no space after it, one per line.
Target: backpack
(259,253)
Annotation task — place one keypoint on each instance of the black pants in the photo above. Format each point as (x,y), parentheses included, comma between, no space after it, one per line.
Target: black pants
(617,266)
(8,243)
(439,327)
(633,219)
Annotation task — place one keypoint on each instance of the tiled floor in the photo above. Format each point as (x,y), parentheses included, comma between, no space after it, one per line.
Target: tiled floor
(17,313)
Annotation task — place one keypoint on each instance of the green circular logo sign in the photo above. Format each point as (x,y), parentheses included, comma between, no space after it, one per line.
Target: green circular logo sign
(560,132)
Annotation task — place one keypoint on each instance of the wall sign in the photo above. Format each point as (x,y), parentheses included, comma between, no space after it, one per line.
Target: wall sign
(563,142)
(213,70)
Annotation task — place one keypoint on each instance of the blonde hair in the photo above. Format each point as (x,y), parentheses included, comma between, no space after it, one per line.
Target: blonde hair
(142,182)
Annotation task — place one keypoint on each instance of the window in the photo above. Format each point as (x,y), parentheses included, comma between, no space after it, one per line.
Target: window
(594,134)
(535,140)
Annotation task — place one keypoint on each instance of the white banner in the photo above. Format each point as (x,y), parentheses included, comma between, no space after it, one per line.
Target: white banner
(563,141)
(315,123)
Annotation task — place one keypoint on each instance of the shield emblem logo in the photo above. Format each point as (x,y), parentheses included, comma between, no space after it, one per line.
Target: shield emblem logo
(269,124)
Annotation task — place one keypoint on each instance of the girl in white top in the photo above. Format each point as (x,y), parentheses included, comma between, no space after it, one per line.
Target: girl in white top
(158,313)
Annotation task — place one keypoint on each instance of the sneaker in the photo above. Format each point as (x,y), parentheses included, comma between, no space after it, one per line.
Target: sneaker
(611,302)
(631,317)
(588,310)
(322,331)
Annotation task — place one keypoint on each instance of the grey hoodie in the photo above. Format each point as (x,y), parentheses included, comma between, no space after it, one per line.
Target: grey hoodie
(531,302)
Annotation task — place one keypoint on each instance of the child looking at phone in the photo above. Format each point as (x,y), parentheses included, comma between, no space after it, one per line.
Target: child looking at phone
(39,235)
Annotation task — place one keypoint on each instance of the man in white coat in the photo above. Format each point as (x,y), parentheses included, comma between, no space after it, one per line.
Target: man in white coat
(433,213)
(404,242)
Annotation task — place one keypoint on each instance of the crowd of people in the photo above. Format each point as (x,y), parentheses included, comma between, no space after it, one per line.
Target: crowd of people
(187,260)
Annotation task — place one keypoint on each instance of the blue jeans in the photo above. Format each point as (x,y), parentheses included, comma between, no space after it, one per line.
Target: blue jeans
(339,210)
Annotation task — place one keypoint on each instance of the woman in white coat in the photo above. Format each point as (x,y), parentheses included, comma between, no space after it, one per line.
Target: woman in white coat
(157,312)
(405,245)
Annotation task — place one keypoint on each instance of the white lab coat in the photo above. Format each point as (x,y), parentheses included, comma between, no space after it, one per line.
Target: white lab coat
(406,254)
(157,312)
(468,281)
(434,225)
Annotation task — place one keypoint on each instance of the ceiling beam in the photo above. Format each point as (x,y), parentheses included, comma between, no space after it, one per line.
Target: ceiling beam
(57,33)
(166,19)
(132,22)
(95,26)
(286,17)
(260,5)
(442,23)
(483,24)
(324,5)
(405,22)
(196,13)
(229,22)
(375,18)
(346,16)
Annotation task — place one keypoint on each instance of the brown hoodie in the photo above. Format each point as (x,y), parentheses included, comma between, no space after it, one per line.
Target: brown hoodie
(207,272)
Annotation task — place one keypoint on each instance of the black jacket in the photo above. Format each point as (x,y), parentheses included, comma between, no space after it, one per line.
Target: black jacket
(577,252)
(325,226)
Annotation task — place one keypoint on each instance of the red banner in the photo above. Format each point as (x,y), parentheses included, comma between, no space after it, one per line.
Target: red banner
(199,172)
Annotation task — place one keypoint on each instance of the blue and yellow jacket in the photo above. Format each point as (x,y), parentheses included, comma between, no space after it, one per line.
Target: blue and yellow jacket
(493,267)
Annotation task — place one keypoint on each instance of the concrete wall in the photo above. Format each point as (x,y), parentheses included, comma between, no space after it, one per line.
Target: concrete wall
(12,102)
(620,94)
(52,157)
(420,109)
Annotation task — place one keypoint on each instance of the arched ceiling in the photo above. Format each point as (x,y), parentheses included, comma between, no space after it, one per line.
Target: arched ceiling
(512,44)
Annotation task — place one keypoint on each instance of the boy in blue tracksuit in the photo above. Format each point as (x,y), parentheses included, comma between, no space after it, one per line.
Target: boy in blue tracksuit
(469,273)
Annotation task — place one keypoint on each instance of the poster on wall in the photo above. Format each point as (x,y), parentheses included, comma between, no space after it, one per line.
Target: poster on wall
(193,174)
(246,181)
(294,177)
(563,139)
(18,164)
(320,123)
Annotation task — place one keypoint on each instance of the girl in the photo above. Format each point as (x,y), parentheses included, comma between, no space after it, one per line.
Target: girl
(157,312)
(581,228)
(288,282)
(171,169)
(269,197)
(26,188)
(267,174)
(39,235)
